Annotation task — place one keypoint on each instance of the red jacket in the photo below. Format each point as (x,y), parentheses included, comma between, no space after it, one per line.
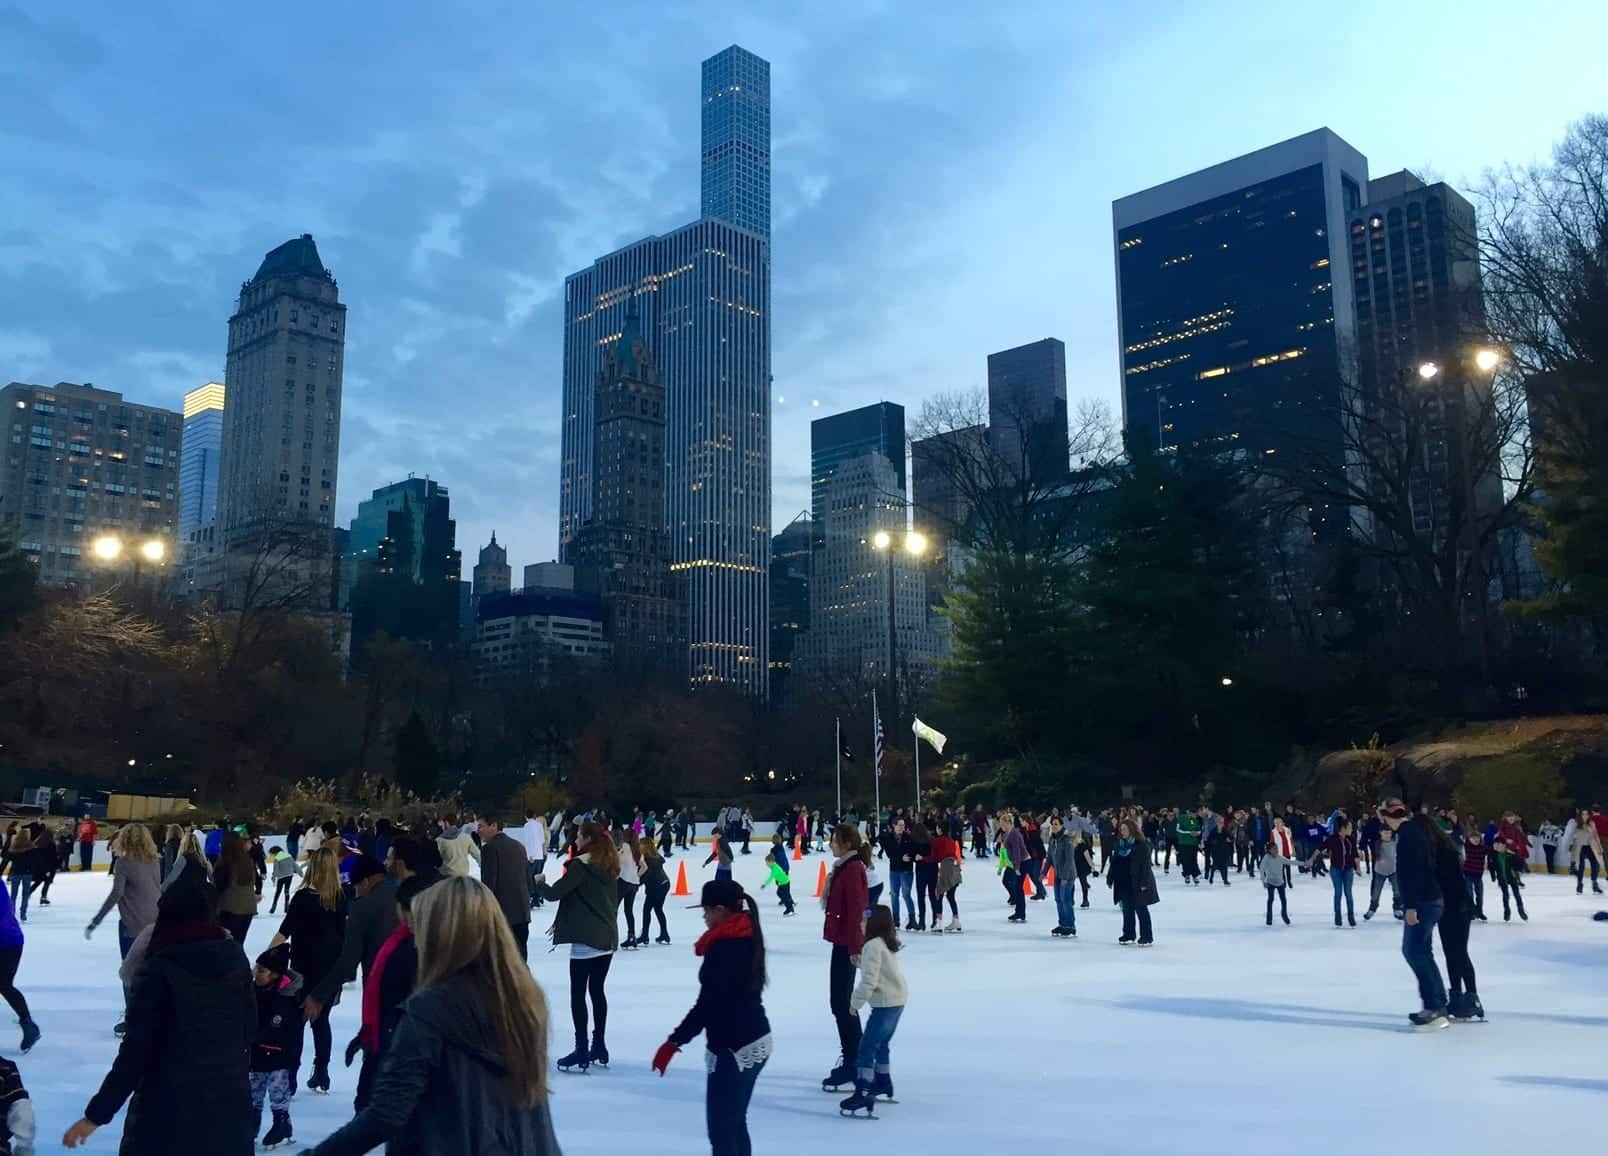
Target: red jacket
(845,907)
(1518,842)
(87,830)
(943,847)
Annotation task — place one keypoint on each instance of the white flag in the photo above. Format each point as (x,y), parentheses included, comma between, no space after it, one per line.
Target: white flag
(936,738)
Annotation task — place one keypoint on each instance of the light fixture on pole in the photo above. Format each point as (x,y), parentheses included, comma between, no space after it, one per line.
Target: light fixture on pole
(915,546)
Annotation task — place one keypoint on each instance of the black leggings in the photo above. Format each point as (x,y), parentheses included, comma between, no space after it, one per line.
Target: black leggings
(628,893)
(1454,945)
(237,926)
(927,888)
(322,1040)
(10,958)
(848,1022)
(589,976)
(653,905)
(953,910)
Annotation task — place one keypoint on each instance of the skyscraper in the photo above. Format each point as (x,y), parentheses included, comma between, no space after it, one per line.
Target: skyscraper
(82,463)
(702,294)
(622,552)
(736,140)
(281,427)
(842,437)
(406,578)
(1230,319)
(198,464)
(789,599)
(492,574)
(1027,408)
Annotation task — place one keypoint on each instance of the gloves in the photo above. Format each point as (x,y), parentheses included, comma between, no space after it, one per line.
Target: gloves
(352,1049)
(661,1058)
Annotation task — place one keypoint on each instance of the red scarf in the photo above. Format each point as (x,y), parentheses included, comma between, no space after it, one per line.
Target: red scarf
(736,926)
(196,931)
(369,1033)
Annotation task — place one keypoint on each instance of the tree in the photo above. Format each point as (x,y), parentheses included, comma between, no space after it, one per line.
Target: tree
(417,758)
(17,576)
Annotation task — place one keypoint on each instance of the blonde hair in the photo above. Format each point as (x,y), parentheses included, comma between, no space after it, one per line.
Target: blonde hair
(323,877)
(174,831)
(461,932)
(134,844)
(191,847)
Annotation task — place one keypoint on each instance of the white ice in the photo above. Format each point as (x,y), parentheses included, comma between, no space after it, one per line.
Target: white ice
(1226,1036)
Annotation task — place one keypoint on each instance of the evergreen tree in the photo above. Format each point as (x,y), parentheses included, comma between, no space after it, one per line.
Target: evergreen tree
(418,759)
(16,581)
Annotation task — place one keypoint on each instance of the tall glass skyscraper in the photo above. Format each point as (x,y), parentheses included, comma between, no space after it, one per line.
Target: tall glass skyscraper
(198,458)
(842,437)
(703,303)
(736,140)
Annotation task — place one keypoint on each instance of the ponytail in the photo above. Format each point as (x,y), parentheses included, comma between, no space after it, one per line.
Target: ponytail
(759,942)
(864,855)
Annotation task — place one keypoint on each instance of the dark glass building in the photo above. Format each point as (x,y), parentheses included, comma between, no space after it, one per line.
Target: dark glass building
(789,599)
(1027,385)
(408,586)
(1231,320)
(842,437)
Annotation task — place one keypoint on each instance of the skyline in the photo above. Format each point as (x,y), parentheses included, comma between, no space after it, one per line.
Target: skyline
(930,204)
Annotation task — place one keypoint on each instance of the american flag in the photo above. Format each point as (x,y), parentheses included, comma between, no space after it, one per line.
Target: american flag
(876,717)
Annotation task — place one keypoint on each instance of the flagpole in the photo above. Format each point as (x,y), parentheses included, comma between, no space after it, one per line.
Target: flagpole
(876,771)
(838,755)
(917,746)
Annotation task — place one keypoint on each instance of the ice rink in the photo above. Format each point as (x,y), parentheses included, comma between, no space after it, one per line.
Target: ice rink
(1224,1029)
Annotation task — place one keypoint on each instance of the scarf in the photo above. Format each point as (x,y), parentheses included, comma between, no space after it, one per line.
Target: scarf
(369,1033)
(826,892)
(734,926)
(195,931)
(1125,846)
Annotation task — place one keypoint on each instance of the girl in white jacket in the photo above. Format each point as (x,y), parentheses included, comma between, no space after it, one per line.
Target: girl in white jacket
(882,986)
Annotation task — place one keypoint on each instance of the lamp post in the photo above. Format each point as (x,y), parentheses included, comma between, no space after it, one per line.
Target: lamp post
(914,544)
(111,551)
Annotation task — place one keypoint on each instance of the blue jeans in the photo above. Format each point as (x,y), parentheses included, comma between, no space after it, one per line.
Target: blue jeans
(1476,891)
(20,883)
(1342,886)
(1066,906)
(879,1029)
(726,1096)
(900,883)
(1418,949)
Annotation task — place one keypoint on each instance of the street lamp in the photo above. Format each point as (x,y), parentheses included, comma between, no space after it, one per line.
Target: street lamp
(1428,371)
(154,550)
(1487,359)
(108,547)
(915,545)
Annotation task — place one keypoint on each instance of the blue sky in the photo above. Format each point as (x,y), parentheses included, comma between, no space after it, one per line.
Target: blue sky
(943,173)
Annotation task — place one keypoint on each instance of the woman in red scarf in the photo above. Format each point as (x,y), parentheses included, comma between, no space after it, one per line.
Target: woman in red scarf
(386,987)
(729,1012)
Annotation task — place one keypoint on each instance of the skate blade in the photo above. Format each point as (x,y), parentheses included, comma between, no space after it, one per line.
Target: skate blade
(1439,1025)
(854,1113)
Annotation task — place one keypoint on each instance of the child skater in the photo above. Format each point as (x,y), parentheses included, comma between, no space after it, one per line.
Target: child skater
(780,877)
(285,868)
(1506,865)
(1083,857)
(1275,871)
(882,985)
(277,1053)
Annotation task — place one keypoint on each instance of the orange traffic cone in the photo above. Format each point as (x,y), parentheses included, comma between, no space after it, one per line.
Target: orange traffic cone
(1049,877)
(820,882)
(798,849)
(1027,884)
(681,880)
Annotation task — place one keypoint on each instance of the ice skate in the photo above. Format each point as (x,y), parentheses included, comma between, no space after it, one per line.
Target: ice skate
(577,1061)
(280,1133)
(1430,1020)
(882,1088)
(841,1077)
(1466,1009)
(861,1101)
(30,1035)
(319,1080)
(600,1053)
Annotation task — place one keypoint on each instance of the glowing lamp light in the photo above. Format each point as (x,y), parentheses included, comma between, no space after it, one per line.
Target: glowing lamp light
(1487,359)
(107,547)
(882,540)
(1227,681)
(1428,370)
(154,550)
(915,543)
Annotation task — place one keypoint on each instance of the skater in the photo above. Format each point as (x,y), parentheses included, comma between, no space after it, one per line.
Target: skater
(466,1070)
(1133,883)
(1463,1001)
(655,888)
(1033,834)
(720,855)
(1219,850)
(1584,844)
(135,887)
(1384,871)
(588,898)
(1188,830)
(1423,903)
(11,943)
(1473,846)
(1274,872)
(882,986)
(1342,849)
(19,851)
(899,848)
(1083,861)
(533,838)
(1064,863)
(88,830)
(947,855)
(779,876)
(1283,837)
(926,864)
(237,898)
(630,854)
(387,984)
(1013,858)
(193,986)
(845,904)
(276,1054)
(284,870)
(315,927)
(1507,878)
(505,870)
(457,847)
(729,1012)
(17,1127)
(1551,836)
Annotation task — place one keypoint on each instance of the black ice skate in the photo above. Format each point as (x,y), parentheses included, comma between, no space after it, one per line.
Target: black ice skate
(882,1088)
(280,1133)
(319,1080)
(861,1101)
(600,1053)
(1430,1020)
(577,1061)
(841,1077)
(1467,1009)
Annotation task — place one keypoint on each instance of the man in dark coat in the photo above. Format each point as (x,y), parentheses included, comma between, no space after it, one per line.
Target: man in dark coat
(369,923)
(1423,904)
(195,986)
(504,869)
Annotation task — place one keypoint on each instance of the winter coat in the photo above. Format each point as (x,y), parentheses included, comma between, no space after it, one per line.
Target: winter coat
(443,1087)
(1342,851)
(1385,858)
(1518,842)
(135,889)
(235,896)
(456,848)
(10,929)
(1272,870)
(882,981)
(588,906)
(1415,866)
(505,869)
(900,851)
(195,986)
(1449,874)
(370,919)
(1585,835)
(1060,852)
(729,1011)
(1219,848)
(281,1024)
(846,897)
(653,874)
(1188,829)
(316,936)
(1015,848)
(1474,856)
(1084,858)
(1131,878)
(285,868)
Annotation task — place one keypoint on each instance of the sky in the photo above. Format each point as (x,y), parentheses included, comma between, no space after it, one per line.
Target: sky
(942,174)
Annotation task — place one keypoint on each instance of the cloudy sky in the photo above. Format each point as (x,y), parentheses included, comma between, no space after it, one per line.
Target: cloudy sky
(943,172)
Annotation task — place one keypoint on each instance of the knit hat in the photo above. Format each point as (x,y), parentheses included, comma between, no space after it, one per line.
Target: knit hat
(276,959)
(1395,809)
(727,893)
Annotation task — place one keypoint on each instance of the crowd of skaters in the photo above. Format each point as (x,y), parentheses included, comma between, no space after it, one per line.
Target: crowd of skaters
(363,900)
